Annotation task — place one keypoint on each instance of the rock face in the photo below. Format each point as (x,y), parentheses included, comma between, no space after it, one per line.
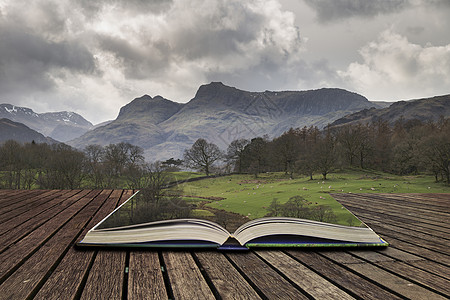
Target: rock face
(10,130)
(62,126)
(428,109)
(220,114)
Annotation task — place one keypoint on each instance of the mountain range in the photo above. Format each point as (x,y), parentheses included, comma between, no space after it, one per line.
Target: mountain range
(220,114)
(62,126)
(427,109)
(21,133)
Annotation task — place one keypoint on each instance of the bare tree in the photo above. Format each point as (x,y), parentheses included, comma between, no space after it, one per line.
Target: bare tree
(202,155)
(325,154)
(94,155)
(11,163)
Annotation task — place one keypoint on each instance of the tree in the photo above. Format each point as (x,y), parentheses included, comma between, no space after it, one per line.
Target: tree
(254,156)
(287,150)
(94,155)
(349,139)
(235,153)
(306,161)
(435,151)
(63,169)
(12,163)
(325,154)
(202,155)
(172,164)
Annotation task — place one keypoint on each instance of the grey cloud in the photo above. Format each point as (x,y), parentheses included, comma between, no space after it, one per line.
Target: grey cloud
(415,30)
(217,34)
(229,36)
(275,76)
(340,9)
(92,8)
(27,59)
(136,61)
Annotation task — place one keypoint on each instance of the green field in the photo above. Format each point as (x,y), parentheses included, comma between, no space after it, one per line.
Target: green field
(250,196)
(178,176)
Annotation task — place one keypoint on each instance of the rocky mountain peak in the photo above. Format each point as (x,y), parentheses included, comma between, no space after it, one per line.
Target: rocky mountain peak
(213,89)
(154,110)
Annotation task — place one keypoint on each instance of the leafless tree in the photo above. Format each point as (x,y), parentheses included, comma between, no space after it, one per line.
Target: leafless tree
(202,155)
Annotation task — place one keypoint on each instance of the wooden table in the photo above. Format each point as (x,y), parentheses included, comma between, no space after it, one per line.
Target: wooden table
(39,261)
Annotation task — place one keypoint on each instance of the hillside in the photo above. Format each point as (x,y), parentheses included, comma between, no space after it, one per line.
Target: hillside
(428,109)
(21,133)
(137,123)
(62,126)
(220,114)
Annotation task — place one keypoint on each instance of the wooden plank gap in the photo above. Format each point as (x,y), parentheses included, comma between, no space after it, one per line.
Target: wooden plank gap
(347,280)
(165,276)
(311,283)
(270,282)
(126,276)
(222,273)
(84,279)
(249,281)
(388,280)
(206,276)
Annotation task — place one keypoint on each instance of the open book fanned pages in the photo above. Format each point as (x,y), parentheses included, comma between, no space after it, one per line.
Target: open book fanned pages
(143,222)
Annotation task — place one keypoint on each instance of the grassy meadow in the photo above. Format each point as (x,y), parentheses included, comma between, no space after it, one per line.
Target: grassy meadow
(250,196)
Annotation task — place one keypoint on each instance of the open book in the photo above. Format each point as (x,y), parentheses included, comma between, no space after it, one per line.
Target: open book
(141,223)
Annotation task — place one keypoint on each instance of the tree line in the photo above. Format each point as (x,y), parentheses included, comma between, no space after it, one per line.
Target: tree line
(59,166)
(407,147)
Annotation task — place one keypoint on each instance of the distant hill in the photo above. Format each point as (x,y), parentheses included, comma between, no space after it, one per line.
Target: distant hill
(381,104)
(137,123)
(427,109)
(220,114)
(62,126)
(10,130)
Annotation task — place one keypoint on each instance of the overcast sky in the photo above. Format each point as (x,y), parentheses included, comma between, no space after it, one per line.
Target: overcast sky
(93,57)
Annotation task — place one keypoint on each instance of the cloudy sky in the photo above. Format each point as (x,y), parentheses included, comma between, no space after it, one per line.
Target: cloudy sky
(93,57)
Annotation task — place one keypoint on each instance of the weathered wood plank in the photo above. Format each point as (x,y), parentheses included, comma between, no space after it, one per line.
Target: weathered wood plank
(226,279)
(25,200)
(410,238)
(267,280)
(375,215)
(391,281)
(125,196)
(427,231)
(14,229)
(11,197)
(437,202)
(392,205)
(186,280)
(66,280)
(399,254)
(350,282)
(33,204)
(311,282)
(106,276)
(421,202)
(419,251)
(372,256)
(145,278)
(432,267)
(414,214)
(418,262)
(25,281)
(428,279)
(17,252)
